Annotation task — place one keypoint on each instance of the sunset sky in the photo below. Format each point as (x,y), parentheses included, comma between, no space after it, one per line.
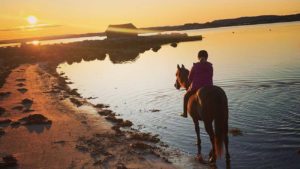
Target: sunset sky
(31,18)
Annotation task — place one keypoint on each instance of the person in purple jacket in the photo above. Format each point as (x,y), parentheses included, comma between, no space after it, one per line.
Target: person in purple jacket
(200,75)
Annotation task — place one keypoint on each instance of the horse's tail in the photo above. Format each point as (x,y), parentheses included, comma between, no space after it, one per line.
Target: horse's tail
(221,120)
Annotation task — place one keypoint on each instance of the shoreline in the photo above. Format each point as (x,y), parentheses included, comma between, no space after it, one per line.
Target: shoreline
(68,124)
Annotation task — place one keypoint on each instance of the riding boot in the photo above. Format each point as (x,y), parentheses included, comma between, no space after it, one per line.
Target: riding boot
(184,114)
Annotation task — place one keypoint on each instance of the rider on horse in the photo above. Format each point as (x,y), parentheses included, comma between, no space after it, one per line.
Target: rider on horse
(200,75)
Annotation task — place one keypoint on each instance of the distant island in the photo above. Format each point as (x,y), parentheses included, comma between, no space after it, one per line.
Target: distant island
(252,20)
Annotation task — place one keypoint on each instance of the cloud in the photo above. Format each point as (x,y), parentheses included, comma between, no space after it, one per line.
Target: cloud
(30,27)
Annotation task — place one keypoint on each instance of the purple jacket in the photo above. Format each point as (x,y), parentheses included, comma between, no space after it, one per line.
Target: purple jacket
(201,75)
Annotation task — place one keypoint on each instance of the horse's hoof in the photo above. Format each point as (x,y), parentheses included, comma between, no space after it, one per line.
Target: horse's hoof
(183,115)
(228,165)
(199,157)
(212,160)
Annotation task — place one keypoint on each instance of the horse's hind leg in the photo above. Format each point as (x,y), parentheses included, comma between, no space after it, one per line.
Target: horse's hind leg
(226,145)
(210,132)
(197,129)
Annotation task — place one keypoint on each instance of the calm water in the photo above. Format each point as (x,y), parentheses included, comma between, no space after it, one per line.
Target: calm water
(257,66)
(56,41)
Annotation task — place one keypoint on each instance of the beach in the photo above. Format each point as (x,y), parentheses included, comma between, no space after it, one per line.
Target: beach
(42,128)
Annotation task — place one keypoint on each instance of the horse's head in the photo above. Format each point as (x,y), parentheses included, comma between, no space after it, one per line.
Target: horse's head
(182,77)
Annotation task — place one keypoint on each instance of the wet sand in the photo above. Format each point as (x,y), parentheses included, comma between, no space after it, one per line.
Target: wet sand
(44,124)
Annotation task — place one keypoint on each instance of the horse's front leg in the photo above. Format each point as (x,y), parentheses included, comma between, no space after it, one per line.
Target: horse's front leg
(197,129)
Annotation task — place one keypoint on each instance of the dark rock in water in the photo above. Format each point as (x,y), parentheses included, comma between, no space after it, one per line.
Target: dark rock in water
(113,119)
(35,119)
(74,92)
(90,98)
(174,45)
(22,90)
(100,106)
(105,112)
(298,152)
(2,110)
(76,102)
(156,48)
(8,161)
(154,110)
(2,132)
(235,132)
(265,86)
(126,123)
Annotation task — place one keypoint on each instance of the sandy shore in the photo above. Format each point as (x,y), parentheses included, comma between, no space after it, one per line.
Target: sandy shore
(44,125)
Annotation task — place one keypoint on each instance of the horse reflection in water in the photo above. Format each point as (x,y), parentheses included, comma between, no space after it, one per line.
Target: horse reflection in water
(214,105)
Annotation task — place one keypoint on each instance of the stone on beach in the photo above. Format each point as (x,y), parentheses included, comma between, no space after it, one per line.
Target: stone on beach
(2,132)
(20,84)
(27,102)
(8,161)
(140,145)
(4,95)
(119,122)
(121,166)
(35,119)
(5,122)
(2,110)
(20,80)
(105,112)
(76,102)
(22,90)
(144,137)
(15,124)
(19,107)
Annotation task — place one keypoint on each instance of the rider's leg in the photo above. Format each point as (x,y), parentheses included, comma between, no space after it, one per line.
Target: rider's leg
(187,95)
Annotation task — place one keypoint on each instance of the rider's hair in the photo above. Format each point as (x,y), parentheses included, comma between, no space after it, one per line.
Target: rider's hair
(202,54)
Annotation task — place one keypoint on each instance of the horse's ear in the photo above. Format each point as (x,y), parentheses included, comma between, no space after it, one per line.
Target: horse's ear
(178,67)
(182,66)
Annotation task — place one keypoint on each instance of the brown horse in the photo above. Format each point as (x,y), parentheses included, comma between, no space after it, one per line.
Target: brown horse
(214,105)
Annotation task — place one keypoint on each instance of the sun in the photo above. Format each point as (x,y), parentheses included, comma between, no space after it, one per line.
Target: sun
(32,20)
